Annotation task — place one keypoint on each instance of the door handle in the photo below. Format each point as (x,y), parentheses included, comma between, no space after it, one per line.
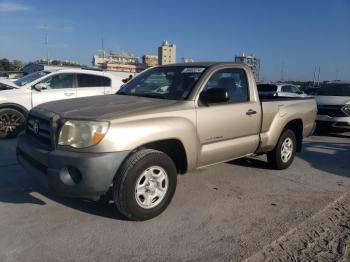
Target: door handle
(68,94)
(250,112)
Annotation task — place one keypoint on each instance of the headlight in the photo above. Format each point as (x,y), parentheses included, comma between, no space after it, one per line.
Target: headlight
(81,134)
(346,110)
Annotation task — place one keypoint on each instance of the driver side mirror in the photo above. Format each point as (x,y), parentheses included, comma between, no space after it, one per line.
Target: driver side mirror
(214,95)
(40,86)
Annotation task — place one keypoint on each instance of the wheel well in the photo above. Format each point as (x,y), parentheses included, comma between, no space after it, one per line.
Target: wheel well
(297,127)
(174,149)
(20,108)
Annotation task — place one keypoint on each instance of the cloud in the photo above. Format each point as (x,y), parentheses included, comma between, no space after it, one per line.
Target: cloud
(67,29)
(58,25)
(13,7)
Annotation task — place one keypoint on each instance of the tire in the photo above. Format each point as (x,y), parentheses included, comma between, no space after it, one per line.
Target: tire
(11,122)
(283,155)
(145,184)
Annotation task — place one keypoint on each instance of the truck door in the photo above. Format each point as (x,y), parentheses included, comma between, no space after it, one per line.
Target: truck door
(56,87)
(230,129)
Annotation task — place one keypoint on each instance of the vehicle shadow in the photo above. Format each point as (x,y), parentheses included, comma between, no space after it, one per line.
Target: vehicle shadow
(327,156)
(251,162)
(339,135)
(104,207)
(25,190)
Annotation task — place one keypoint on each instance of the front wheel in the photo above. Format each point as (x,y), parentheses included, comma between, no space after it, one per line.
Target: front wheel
(283,154)
(11,122)
(145,184)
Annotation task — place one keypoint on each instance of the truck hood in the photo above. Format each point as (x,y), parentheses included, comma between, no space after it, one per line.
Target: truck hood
(105,107)
(332,100)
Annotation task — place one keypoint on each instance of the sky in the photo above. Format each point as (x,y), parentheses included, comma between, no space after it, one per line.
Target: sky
(290,37)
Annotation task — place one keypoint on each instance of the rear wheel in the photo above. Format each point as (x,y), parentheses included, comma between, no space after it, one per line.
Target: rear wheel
(283,154)
(145,184)
(11,122)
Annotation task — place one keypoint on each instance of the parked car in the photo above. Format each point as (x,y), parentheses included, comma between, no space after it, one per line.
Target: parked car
(168,120)
(287,90)
(18,97)
(333,105)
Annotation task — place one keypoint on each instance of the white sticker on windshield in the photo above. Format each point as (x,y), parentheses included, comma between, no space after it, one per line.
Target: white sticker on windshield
(193,70)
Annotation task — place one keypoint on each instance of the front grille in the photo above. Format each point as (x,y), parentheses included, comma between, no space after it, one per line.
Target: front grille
(333,111)
(342,124)
(40,128)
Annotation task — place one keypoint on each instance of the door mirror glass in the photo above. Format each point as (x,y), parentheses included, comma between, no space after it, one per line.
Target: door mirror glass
(40,86)
(215,95)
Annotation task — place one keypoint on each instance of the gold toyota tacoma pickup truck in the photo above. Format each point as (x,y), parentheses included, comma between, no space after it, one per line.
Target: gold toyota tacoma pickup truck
(167,121)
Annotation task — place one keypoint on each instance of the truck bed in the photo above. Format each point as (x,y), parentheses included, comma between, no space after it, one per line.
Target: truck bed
(282,98)
(276,111)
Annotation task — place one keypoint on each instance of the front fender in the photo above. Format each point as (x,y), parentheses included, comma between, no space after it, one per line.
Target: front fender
(131,135)
(19,107)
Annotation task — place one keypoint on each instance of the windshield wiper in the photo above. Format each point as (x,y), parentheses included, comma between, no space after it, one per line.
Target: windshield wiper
(151,96)
(123,93)
(140,95)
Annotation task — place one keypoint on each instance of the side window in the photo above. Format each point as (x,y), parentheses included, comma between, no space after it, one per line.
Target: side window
(234,81)
(85,80)
(295,89)
(287,89)
(58,81)
(105,81)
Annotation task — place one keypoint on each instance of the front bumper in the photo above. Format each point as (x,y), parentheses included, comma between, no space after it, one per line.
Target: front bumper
(333,122)
(74,174)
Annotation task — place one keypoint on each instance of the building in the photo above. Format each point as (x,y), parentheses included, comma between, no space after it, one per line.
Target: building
(34,67)
(186,60)
(123,68)
(114,58)
(150,60)
(166,53)
(252,61)
(120,62)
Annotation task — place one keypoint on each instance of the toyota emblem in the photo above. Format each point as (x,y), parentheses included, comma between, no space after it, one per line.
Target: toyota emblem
(36,127)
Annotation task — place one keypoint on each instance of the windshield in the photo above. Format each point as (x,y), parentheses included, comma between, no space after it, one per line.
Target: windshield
(30,78)
(335,90)
(173,82)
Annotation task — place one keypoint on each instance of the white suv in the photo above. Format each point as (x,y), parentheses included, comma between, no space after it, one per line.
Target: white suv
(18,97)
(287,90)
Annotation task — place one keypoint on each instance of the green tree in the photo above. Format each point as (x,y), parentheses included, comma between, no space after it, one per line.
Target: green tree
(5,65)
(17,64)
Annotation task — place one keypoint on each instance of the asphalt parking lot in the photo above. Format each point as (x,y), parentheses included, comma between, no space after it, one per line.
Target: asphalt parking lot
(225,212)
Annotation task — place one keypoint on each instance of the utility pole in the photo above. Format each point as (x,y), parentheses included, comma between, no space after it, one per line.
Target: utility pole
(318,76)
(103,47)
(314,79)
(46,42)
(282,71)
(336,74)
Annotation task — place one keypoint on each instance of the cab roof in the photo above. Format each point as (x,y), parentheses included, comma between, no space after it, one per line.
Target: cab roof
(204,64)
